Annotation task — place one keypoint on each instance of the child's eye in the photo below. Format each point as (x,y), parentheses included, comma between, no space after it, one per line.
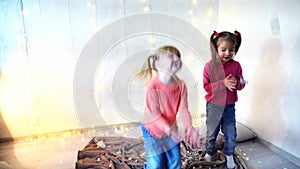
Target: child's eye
(177,63)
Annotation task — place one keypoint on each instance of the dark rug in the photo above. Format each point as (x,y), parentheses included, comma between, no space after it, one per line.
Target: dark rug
(128,153)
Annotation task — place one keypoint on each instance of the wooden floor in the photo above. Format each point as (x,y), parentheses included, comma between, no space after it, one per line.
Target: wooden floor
(59,151)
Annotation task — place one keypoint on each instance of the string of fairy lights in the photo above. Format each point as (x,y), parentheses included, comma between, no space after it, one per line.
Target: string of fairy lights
(94,5)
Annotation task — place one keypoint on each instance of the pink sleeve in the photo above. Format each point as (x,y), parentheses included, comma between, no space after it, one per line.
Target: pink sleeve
(184,110)
(240,85)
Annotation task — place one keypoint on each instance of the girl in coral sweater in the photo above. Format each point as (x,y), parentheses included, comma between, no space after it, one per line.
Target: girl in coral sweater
(166,95)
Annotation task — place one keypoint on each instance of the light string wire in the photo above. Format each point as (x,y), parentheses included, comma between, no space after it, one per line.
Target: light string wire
(125,25)
(97,15)
(34,95)
(170,13)
(25,35)
(71,29)
(151,25)
(97,20)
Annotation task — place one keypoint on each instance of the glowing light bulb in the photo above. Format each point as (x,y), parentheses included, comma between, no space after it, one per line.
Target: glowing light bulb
(37,7)
(89,4)
(100,87)
(25,14)
(195,22)
(189,58)
(146,9)
(209,12)
(194,2)
(97,28)
(92,20)
(151,40)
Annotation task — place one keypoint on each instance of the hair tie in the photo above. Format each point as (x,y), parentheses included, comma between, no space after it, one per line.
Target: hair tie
(216,34)
(236,33)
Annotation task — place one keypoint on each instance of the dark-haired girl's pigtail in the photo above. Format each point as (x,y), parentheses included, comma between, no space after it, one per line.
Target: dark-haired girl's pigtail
(213,39)
(239,40)
(213,46)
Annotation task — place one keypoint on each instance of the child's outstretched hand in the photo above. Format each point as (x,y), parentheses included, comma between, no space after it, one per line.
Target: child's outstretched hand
(230,82)
(193,138)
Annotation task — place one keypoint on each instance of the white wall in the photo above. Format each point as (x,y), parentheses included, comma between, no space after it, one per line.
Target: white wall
(72,64)
(269,55)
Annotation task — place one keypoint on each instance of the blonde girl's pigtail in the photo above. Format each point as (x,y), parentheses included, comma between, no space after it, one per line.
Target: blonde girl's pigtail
(148,69)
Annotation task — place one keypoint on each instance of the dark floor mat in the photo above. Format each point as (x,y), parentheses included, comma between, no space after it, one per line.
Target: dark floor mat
(127,153)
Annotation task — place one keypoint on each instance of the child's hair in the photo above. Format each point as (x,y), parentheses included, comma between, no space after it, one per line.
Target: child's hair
(233,38)
(149,67)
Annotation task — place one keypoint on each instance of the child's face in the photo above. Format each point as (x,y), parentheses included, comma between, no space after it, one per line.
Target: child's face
(169,63)
(226,51)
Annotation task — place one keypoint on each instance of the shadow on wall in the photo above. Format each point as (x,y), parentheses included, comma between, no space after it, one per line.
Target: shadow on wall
(7,155)
(291,103)
(269,86)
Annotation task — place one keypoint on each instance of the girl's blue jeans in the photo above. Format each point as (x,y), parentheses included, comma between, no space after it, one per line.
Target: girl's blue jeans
(220,118)
(161,153)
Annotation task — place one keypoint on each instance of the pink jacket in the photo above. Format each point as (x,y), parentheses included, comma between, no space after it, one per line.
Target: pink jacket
(213,82)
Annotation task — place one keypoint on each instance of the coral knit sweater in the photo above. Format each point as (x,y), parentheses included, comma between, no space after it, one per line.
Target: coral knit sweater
(163,102)
(213,82)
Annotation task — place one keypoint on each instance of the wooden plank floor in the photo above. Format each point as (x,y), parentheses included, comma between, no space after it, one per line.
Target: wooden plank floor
(60,151)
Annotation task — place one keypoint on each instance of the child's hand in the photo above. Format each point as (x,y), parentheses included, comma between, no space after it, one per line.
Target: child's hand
(230,82)
(171,131)
(193,138)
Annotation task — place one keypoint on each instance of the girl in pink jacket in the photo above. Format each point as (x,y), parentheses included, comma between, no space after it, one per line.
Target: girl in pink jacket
(222,78)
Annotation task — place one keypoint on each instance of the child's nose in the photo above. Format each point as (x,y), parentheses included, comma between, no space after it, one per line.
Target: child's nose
(227,52)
